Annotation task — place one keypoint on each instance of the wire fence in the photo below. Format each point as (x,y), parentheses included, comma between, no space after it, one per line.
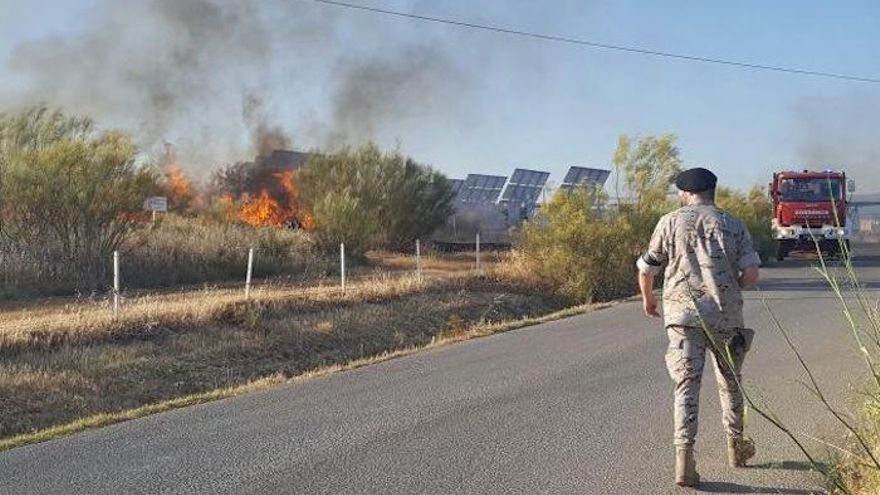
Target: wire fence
(119,277)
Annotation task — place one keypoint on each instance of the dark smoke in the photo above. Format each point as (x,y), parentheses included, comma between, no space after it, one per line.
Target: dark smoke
(390,88)
(840,133)
(226,79)
(265,136)
(155,67)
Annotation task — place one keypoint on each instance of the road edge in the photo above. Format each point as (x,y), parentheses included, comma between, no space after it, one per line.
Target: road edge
(473,332)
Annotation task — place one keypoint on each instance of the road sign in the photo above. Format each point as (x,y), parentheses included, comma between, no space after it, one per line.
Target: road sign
(156,203)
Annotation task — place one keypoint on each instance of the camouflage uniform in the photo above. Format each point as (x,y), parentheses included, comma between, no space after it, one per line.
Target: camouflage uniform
(704,249)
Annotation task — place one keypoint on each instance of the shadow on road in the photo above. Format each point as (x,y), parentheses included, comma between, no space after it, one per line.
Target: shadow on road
(866,255)
(802,284)
(781,277)
(725,487)
(790,466)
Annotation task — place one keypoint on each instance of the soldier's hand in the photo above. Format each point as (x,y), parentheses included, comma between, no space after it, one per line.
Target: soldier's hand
(650,306)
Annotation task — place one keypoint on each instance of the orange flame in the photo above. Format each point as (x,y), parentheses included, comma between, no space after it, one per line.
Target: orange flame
(178,188)
(288,182)
(279,208)
(263,211)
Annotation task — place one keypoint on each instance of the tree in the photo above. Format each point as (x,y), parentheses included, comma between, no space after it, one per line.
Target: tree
(577,248)
(68,193)
(648,167)
(756,210)
(420,201)
(367,198)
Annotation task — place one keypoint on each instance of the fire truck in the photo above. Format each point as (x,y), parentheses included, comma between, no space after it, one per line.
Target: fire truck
(810,210)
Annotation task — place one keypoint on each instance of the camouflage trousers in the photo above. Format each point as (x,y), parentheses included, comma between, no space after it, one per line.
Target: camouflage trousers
(685,358)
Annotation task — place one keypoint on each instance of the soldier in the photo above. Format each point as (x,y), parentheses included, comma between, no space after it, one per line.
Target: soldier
(709,259)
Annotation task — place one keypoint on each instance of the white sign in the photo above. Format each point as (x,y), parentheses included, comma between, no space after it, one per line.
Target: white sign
(156,203)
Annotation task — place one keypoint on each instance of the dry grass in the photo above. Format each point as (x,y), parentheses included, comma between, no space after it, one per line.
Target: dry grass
(437,264)
(443,339)
(174,252)
(80,367)
(181,250)
(859,477)
(90,321)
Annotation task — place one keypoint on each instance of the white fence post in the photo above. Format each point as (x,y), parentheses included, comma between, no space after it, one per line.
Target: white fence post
(250,271)
(342,265)
(419,259)
(115,283)
(478,252)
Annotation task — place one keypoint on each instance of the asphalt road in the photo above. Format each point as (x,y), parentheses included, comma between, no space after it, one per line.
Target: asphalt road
(581,405)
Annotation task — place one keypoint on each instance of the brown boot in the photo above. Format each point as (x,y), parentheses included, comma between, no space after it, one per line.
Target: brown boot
(739,450)
(685,467)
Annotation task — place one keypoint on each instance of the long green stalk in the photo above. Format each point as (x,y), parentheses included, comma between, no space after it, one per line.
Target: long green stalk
(818,391)
(766,414)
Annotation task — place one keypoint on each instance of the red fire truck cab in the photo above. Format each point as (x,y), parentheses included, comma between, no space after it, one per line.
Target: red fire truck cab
(809,212)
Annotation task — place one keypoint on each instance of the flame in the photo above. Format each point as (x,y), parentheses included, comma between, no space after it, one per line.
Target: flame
(263,211)
(288,182)
(178,188)
(277,205)
(287,179)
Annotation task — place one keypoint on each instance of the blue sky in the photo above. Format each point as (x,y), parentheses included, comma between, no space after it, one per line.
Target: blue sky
(499,102)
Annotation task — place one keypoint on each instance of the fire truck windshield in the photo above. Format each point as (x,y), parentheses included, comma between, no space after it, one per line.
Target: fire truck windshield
(817,189)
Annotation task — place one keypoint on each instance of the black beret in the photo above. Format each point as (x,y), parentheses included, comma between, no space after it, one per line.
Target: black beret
(696,180)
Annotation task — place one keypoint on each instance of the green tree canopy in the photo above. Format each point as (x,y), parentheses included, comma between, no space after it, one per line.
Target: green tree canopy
(648,166)
(67,192)
(367,198)
(578,248)
(756,210)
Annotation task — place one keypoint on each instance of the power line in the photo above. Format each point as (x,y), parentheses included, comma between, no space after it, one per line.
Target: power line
(602,46)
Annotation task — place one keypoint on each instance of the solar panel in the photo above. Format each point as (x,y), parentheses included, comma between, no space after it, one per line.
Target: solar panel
(521,194)
(525,186)
(483,189)
(525,177)
(455,185)
(583,175)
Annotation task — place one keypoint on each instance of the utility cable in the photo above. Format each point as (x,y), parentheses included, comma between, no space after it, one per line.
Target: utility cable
(601,46)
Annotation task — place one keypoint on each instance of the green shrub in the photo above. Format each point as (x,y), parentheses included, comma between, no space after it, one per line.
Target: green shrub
(341,217)
(756,210)
(574,250)
(68,198)
(370,199)
(579,248)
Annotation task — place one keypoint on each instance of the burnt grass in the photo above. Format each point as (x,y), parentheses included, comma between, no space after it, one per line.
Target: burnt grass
(47,385)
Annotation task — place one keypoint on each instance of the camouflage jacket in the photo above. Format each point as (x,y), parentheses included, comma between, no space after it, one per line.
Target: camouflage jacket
(704,249)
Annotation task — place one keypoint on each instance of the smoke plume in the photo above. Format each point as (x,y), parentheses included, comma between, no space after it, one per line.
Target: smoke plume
(389,88)
(841,134)
(223,79)
(265,135)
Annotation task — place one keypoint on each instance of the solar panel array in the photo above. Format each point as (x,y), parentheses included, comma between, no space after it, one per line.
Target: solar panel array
(455,185)
(481,189)
(577,176)
(525,187)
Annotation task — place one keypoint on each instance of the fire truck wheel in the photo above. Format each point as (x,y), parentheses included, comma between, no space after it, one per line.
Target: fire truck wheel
(781,252)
